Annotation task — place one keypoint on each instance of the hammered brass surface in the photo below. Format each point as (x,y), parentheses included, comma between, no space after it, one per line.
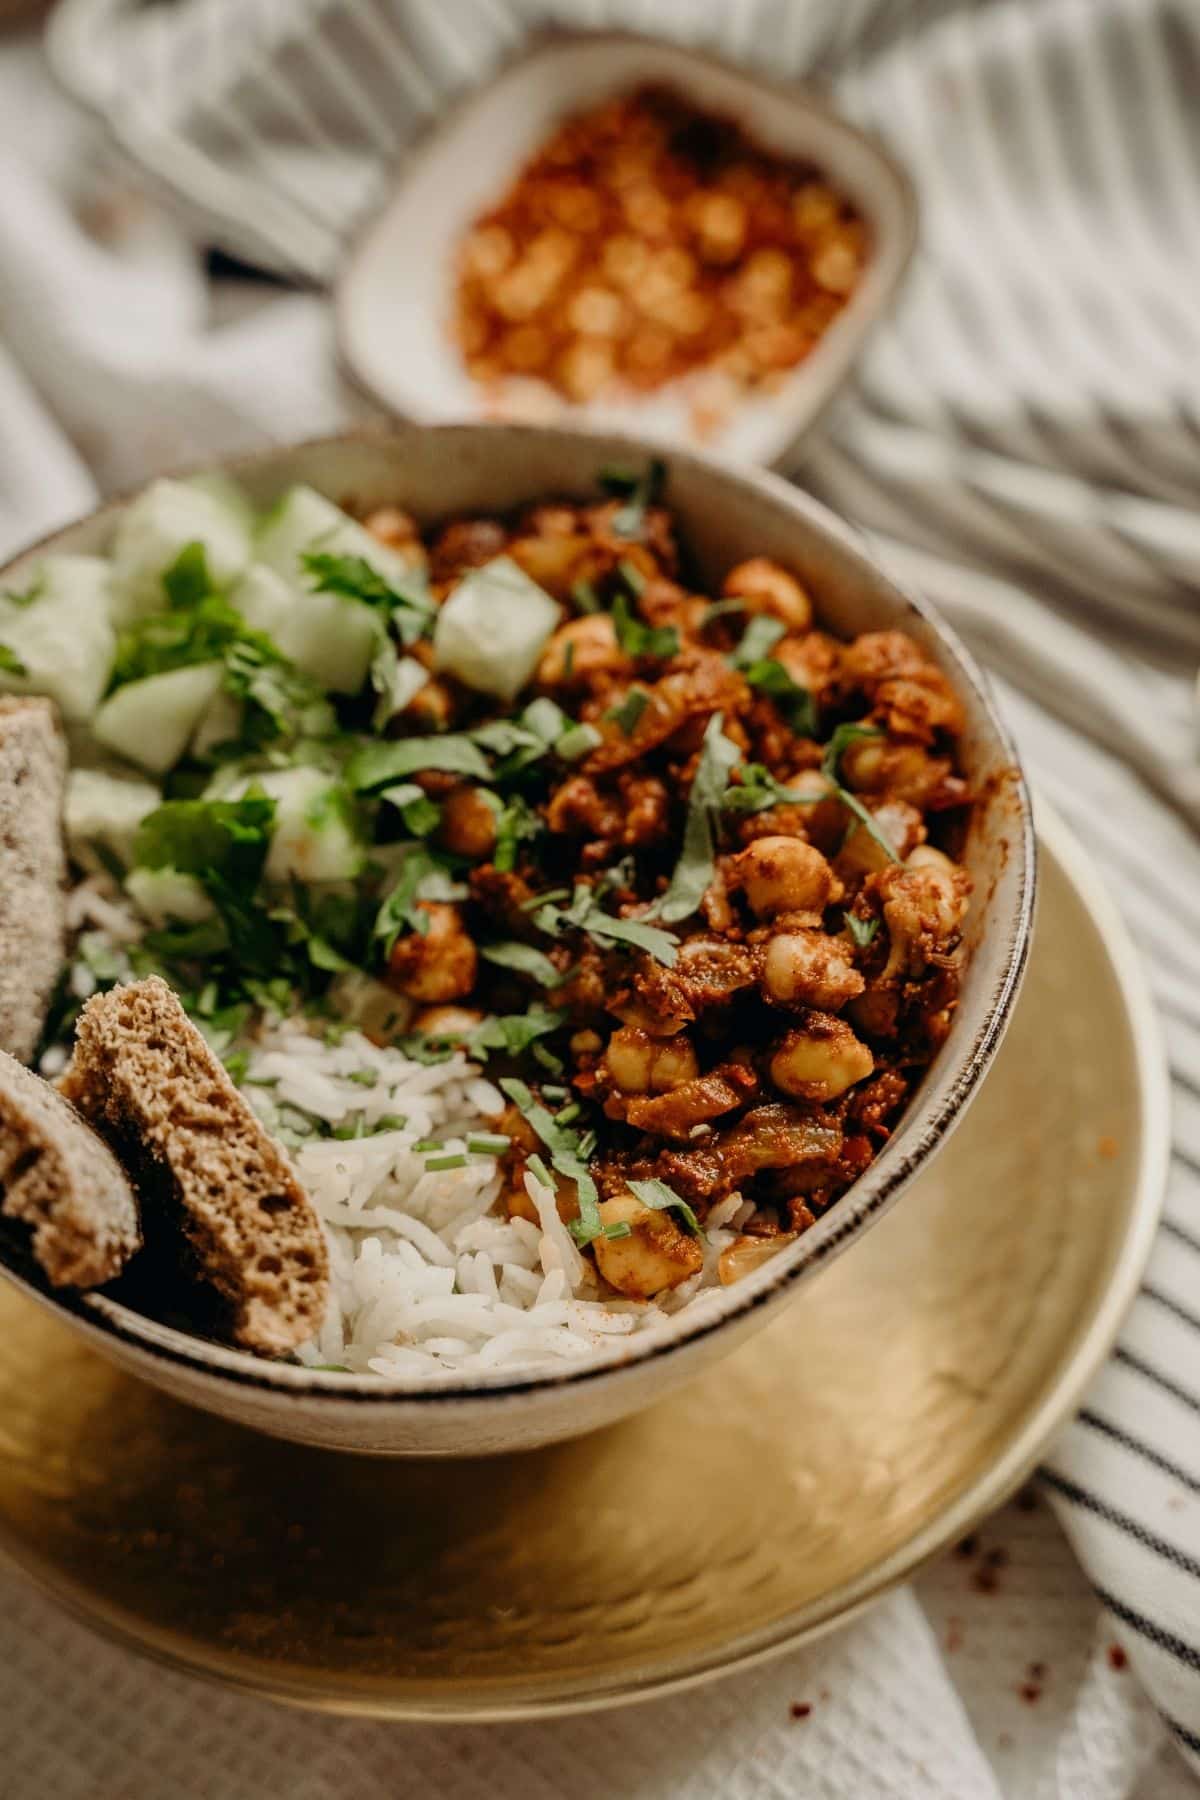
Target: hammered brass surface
(810,1469)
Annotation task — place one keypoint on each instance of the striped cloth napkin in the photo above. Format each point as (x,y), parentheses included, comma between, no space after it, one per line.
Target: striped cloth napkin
(1024,441)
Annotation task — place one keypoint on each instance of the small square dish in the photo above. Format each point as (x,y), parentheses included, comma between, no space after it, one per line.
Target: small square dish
(397,296)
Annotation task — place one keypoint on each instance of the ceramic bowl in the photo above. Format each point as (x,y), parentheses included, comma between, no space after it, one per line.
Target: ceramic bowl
(725,516)
(393,305)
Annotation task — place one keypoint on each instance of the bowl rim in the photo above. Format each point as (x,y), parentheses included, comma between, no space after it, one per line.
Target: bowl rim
(878,1187)
(833,362)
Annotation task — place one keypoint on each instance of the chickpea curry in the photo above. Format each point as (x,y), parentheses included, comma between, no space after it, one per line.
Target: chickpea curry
(676,866)
(708,910)
(647,241)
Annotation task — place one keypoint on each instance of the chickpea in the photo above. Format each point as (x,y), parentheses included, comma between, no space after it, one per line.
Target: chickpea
(432,707)
(820,1060)
(835,266)
(439,964)
(925,856)
(468,826)
(581,649)
(862,854)
(452,1023)
(656,1255)
(901,771)
(923,910)
(585,367)
(640,1064)
(809,969)
(768,588)
(785,874)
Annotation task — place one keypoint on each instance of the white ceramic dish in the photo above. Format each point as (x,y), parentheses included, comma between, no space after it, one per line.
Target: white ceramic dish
(394,299)
(724,517)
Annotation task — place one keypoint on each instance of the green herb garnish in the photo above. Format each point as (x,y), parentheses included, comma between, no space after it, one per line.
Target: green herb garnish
(843,737)
(524,958)
(586,913)
(378,764)
(637,638)
(421,815)
(661,1198)
(693,872)
(863,931)
(456,1160)
(758,640)
(629,711)
(640,491)
(11,663)
(409,608)
(565,1156)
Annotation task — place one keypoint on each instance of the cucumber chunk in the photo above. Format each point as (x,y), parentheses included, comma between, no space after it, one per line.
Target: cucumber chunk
(328,637)
(63,637)
(165,897)
(150,722)
(157,526)
(103,812)
(493,628)
(313,838)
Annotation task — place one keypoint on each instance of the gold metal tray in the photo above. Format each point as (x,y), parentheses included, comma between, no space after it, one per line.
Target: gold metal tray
(906,1392)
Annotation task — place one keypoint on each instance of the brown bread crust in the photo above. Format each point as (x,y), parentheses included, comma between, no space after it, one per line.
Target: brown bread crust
(33,771)
(144,1076)
(57,1176)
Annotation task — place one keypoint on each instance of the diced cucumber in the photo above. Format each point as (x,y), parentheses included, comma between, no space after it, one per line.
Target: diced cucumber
(150,722)
(103,812)
(63,635)
(157,526)
(165,896)
(221,724)
(493,628)
(328,637)
(313,838)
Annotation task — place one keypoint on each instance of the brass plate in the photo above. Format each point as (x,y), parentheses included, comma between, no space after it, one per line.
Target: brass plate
(906,1392)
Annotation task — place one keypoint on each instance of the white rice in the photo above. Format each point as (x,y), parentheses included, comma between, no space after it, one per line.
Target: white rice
(428,1281)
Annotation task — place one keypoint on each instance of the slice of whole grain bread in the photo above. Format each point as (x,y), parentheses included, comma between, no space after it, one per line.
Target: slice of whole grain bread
(57,1176)
(144,1076)
(33,769)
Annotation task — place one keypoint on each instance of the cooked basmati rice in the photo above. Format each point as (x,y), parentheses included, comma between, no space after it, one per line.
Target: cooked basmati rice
(427,1280)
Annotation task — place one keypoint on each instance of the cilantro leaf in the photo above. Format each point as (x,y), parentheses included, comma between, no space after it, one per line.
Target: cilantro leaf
(863,931)
(409,608)
(661,1198)
(586,913)
(285,702)
(187,582)
(564,1147)
(694,870)
(839,743)
(639,491)
(421,815)
(637,638)
(10,662)
(524,958)
(513,1033)
(759,789)
(424,875)
(629,711)
(516,823)
(758,640)
(378,764)
(223,839)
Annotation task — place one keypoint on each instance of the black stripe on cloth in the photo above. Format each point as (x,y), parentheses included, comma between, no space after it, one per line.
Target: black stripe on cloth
(1177,1311)
(1141,1367)
(1185,1736)
(1163,1640)
(1180,1231)
(1120,1521)
(1139,1448)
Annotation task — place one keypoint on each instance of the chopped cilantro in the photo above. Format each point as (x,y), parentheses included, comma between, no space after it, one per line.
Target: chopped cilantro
(629,711)
(862,931)
(793,699)
(513,1033)
(759,789)
(637,638)
(409,608)
(10,662)
(577,742)
(585,597)
(839,743)
(694,870)
(187,581)
(524,958)
(378,764)
(588,915)
(758,640)
(421,815)
(639,491)
(563,1146)
(661,1198)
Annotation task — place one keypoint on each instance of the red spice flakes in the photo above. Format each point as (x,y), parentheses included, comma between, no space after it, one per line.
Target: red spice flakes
(645,241)
(800,1709)
(1031,1688)
(986,1579)
(1117,1658)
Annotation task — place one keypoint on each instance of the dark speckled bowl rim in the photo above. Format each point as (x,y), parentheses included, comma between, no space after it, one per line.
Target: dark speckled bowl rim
(876,1190)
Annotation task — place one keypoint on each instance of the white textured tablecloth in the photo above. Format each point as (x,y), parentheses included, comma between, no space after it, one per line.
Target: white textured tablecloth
(1032,412)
